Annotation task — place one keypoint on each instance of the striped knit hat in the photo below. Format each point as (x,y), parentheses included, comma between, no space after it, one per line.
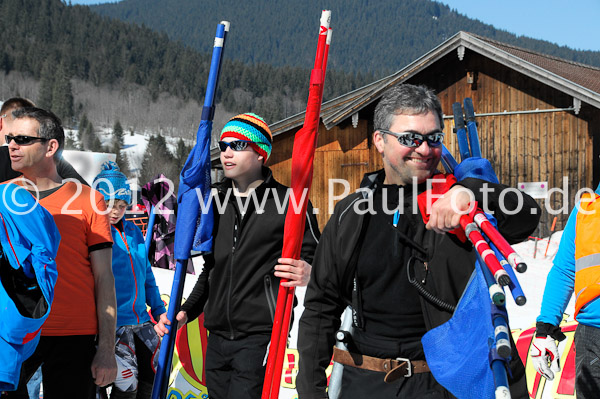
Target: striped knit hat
(250,127)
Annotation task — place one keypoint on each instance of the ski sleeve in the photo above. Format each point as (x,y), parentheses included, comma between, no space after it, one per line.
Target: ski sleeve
(517,213)
(560,282)
(194,305)
(320,319)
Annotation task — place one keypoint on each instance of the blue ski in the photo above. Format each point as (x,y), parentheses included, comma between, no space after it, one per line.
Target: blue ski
(472,128)
(461,132)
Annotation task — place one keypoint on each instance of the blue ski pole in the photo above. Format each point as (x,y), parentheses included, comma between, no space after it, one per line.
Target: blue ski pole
(497,295)
(194,177)
(514,286)
(149,229)
(498,365)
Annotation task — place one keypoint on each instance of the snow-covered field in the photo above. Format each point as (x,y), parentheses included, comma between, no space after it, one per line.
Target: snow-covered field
(533,281)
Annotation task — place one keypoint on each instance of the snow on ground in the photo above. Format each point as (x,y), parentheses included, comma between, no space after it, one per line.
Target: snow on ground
(533,281)
(134,145)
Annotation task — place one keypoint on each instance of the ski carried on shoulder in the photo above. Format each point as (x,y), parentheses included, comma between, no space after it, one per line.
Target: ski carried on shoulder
(461,131)
(472,128)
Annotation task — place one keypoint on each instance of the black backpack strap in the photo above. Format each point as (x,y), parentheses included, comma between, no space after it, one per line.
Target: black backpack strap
(351,271)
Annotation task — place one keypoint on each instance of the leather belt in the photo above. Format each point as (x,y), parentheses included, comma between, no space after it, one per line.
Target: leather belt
(393,368)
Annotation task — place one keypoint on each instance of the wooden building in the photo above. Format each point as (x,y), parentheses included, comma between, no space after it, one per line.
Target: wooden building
(538,117)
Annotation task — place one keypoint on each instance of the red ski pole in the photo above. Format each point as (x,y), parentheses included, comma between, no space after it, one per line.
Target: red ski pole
(503,246)
(484,250)
(302,170)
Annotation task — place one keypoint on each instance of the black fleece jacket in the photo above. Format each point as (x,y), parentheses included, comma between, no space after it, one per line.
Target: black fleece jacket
(237,289)
(450,265)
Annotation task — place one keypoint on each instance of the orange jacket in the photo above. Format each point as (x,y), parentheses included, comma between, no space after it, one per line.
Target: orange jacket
(587,252)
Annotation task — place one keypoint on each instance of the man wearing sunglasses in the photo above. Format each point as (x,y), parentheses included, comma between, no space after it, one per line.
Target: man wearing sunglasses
(238,287)
(376,247)
(84,309)
(65,170)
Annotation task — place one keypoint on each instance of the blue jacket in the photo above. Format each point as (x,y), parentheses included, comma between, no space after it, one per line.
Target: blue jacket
(29,240)
(134,281)
(560,283)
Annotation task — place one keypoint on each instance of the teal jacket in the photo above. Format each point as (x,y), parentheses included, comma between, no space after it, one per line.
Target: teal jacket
(135,285)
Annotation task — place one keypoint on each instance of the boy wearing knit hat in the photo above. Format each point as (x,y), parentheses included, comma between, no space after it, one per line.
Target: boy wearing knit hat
(137,342)
(246,265)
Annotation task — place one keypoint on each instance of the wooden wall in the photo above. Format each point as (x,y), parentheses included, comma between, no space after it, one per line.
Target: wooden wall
(344,152)
(522,148)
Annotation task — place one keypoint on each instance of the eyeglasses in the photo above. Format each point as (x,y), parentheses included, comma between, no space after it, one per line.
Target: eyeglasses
(414,139)
(237,145)
(23,140)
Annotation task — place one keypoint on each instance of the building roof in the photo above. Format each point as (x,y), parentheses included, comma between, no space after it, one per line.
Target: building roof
(584,75)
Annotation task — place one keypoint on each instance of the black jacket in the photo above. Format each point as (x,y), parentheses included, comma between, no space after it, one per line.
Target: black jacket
(237,289)
(450,265)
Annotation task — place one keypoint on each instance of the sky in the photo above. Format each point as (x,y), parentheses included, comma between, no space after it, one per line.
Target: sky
(567,23)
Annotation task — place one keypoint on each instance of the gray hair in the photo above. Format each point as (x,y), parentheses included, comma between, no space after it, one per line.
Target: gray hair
(50,125)
(406,99)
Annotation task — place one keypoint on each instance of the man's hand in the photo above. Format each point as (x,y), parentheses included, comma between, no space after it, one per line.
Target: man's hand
(544,352)
(104,367)
(161,327)
(296,271)
(447,210)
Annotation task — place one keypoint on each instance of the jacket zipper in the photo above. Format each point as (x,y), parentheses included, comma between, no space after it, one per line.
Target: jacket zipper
(132,272)
(271,301)
(230,288)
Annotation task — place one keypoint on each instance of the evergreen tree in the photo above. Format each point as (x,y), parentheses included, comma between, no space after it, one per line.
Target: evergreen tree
(181,153)
(91,140)
(46,85)
(83,123)
(117,148)
(158,160)
(62,95)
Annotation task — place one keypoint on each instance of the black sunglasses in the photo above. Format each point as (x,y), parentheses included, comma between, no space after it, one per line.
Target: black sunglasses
(414,139)
(23,140)
(237,145)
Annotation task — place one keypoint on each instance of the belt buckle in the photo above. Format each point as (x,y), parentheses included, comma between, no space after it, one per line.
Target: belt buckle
(408,366)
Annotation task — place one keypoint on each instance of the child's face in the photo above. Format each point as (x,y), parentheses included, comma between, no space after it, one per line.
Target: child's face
(116,211)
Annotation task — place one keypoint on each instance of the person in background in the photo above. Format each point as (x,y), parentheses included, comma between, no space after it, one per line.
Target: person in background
(65,170)
(576,268)
(76,348)
(137,343)
(237,289)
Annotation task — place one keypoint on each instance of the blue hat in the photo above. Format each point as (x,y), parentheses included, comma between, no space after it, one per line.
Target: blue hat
(112,183)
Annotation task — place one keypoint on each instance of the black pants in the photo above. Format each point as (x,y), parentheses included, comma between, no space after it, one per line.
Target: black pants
(66,368)
(235,369)
(587,362)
